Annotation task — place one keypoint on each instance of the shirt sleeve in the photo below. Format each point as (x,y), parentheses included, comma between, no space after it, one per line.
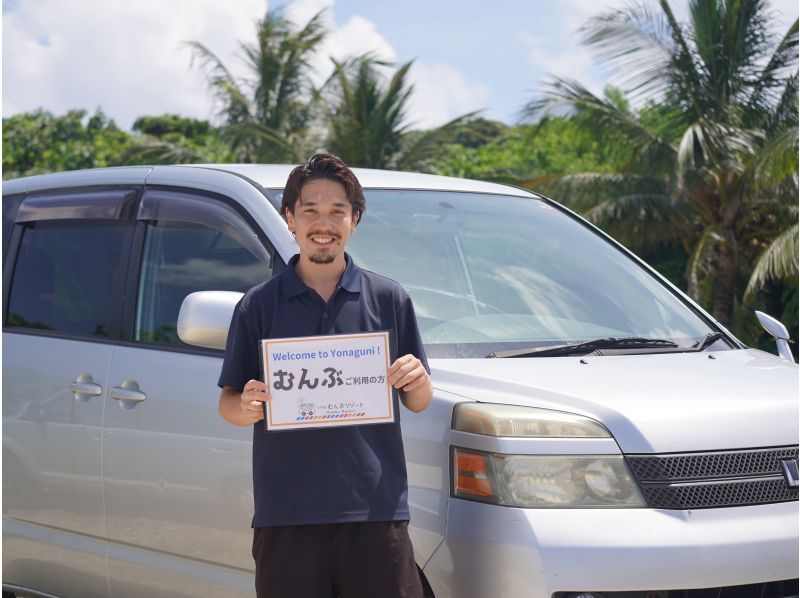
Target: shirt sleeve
(241,362)
(408,336)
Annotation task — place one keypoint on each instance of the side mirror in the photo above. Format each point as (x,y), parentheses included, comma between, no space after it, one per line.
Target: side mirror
(205,317)
(778,332)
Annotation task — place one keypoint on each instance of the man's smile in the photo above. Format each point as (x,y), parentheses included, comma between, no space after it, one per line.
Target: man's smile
(321,239)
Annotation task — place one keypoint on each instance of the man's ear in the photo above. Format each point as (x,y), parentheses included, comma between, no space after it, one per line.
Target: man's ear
(290,220)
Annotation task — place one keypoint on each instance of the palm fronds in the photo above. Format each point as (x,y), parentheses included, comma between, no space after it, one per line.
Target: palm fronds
(729,142)
(777,262)
(267,115)
(568,98)
(368,117)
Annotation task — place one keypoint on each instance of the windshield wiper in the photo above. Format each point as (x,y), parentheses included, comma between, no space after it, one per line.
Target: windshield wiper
(707,340)
(589,346)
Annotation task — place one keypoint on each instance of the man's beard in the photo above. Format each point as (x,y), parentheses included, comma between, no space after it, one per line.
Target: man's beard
(321,258)
(324,255)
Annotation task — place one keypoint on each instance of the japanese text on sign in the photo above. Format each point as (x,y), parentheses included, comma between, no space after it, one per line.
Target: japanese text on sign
(327,381)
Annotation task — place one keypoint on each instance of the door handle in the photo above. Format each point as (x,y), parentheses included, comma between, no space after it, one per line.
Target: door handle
(83,388)
(128,394)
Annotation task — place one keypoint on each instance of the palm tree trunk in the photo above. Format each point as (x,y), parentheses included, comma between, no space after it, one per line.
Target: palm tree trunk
(725,287)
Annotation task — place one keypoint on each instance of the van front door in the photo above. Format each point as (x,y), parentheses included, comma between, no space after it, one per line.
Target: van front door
(177,477)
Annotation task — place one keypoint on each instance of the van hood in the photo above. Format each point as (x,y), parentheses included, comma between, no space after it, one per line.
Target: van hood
(651,403)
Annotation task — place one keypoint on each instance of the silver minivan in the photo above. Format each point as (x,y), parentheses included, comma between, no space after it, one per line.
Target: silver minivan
(593,432)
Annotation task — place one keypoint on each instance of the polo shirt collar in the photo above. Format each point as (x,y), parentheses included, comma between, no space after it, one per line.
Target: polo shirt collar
(293,285)
(351,277)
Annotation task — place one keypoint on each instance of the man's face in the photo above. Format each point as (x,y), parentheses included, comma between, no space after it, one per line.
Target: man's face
(322,221)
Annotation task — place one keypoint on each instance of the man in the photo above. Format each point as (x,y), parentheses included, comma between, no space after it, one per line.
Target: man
(331,509)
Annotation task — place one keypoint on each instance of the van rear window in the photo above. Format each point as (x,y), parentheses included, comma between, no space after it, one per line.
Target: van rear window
(66,278)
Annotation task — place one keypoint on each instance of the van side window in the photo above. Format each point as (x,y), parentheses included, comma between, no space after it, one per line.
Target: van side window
(67,277)
(184,257)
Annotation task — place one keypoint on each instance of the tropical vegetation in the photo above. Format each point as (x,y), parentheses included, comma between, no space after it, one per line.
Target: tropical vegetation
(712,155)
(367,118)
(268,115)
(40,142)
(692,162)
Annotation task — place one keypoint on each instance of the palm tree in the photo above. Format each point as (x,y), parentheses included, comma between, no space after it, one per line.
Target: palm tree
(368,121)
(267,116)
(713,156)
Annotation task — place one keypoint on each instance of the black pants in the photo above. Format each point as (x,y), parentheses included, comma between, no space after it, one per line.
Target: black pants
(351,560)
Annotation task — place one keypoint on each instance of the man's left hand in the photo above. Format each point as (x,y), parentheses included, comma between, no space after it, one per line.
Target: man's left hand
(407,373)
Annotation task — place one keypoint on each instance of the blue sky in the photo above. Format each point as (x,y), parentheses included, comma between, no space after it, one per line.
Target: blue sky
(126,56)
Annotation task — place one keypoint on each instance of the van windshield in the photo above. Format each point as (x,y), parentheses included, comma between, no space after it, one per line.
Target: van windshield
(492,273)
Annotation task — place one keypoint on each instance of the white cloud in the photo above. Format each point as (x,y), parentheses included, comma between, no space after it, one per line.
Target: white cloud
(125,57)
(556,50)
(574,62)
(128,58)
(301,11)
(359,36)
(356,37)
(441,93)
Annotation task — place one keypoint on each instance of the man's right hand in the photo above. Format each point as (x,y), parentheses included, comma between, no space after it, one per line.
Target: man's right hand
(245,407)
(254,394)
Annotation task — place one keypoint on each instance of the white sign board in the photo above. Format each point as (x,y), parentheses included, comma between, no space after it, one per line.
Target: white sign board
(327,381)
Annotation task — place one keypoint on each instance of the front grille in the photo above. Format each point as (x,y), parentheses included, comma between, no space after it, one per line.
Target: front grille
(710,465)
(714,479)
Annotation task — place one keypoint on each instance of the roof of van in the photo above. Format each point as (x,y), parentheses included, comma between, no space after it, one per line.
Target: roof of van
(265,175)
(275,175)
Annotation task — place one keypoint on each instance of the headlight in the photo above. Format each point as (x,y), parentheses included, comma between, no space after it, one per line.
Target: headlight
(528,422)
(538,481)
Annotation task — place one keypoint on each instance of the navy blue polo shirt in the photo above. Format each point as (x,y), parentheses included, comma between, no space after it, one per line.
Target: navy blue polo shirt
(328,475)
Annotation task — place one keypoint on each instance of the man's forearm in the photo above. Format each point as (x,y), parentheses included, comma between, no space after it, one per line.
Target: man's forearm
(229,407)
(418,399)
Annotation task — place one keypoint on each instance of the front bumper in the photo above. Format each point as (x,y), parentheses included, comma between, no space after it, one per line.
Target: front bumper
(493,551)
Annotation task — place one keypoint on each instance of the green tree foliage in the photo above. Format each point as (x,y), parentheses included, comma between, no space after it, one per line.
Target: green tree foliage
(39,142)
(367,118)
(525,155)
(478,132)
(268,115)
(713,154)
(175,139)
(167,124)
